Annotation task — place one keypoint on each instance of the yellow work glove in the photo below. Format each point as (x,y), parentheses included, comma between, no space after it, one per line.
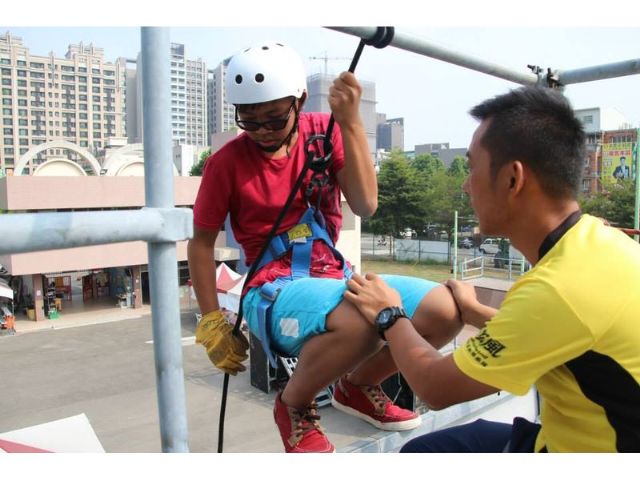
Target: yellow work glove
(225,350)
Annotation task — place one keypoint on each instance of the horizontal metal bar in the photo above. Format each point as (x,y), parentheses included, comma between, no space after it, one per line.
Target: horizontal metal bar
(32,232)
(417,45)
(599,72)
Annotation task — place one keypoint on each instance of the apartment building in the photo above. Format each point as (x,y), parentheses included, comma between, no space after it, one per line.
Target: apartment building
(318,90)
(78,99)
(221,114)
(188,99)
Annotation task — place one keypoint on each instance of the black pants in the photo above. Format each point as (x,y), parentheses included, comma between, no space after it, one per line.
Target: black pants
(481,436)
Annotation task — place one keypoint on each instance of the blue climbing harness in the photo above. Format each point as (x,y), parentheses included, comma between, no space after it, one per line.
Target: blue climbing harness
(299,240)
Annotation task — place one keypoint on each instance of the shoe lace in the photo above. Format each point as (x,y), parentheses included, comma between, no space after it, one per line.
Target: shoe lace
(377,397)
(304,422)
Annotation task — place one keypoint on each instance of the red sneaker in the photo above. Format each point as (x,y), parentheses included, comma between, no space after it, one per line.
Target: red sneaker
(300,430)
(371,404)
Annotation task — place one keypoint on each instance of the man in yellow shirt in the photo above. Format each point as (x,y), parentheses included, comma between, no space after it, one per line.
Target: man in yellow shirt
(570,326)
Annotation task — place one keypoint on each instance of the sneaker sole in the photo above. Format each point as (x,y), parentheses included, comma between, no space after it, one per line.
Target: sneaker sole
(389,426)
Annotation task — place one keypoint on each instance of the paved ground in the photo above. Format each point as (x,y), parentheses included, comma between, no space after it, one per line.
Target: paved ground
(106,370)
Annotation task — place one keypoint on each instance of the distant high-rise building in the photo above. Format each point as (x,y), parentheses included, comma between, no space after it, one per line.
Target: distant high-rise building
(79,99)
(188,99)
(318,91)
(221,114)
(390,133)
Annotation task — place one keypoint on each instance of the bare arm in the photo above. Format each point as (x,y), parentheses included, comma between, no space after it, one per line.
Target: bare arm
(436,379)
(358,178)
(472,311)
(202,269)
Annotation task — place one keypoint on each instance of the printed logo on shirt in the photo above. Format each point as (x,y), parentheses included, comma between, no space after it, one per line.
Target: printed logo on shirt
(482,347)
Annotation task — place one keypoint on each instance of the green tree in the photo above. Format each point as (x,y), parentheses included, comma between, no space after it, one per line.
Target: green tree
(615,205)
(459,167)
(400,201)
(196,169)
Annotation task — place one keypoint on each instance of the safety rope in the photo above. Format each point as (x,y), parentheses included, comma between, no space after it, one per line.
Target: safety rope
(318,159)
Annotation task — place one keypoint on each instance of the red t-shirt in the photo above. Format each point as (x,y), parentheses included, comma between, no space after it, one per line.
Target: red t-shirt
(241,181)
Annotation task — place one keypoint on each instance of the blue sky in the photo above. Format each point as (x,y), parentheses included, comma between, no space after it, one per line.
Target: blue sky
(433,97)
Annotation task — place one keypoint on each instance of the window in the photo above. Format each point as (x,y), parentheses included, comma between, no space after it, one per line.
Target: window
(588,119)
(24,141)
(22,103)
(22,73)
(6,71)
(7,121)
(36,65)
(67,68)
(23,131)
(96,108)
(8,131)
(5,61)
(6,101)
(22,63)
(82,79)
(22,93)
(23,123)
(82,88)
(6,91)
(96,116)
(6,81)
(8,141)
(23,83)
(82,69)
(7,111)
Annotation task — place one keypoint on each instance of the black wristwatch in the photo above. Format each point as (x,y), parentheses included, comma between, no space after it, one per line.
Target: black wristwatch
(387,317)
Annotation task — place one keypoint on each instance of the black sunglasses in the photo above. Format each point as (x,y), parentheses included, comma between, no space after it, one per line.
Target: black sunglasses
(272,125)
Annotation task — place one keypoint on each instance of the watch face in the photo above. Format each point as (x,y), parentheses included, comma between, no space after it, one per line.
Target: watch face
(384,316)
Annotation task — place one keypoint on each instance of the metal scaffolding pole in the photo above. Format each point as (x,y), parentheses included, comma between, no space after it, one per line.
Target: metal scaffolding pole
(163,275)
(417,45)
(599,72)
(33,232)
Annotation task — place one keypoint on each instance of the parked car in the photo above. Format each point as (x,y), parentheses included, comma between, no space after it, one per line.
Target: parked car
(408,233)
(490,246)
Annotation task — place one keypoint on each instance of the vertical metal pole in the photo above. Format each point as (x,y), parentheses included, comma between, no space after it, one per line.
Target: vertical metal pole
(636,212)
(163,274)
(455,244)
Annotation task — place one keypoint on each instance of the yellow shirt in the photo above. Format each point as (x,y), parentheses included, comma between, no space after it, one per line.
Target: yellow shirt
(571,326)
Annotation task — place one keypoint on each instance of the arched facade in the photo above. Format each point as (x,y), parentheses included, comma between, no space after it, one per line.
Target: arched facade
(32,152)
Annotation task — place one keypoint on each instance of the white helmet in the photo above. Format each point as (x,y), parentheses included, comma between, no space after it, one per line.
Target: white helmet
(263,73)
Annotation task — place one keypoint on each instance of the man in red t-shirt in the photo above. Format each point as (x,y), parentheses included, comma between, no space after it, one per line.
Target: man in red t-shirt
(249,179)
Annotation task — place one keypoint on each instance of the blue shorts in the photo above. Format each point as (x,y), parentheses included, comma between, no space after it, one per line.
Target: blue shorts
(301,308)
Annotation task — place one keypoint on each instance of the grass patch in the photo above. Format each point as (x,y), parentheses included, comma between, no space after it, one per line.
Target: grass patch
(436,273)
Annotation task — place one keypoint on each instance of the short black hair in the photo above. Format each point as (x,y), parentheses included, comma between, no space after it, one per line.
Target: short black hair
(537,126)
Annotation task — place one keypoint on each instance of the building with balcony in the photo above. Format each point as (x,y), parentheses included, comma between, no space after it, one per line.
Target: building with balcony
(188,99)
(78,99)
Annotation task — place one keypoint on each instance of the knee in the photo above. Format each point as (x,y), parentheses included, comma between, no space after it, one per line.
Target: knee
(437,317)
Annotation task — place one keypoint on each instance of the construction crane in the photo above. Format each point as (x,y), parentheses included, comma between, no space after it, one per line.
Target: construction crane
(327,58)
